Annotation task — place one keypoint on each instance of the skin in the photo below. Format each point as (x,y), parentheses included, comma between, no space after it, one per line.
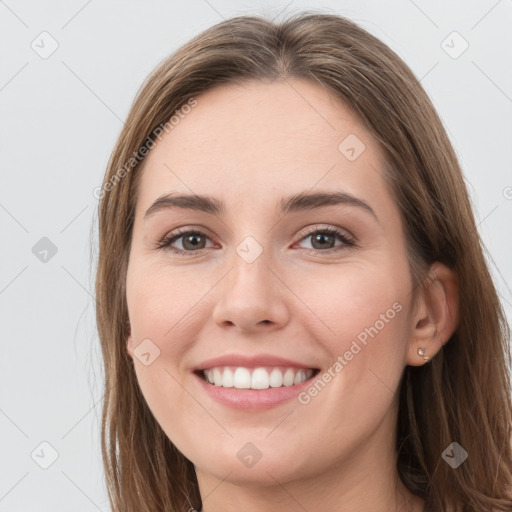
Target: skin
(249,146)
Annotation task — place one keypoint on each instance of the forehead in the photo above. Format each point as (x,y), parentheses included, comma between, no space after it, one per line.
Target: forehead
(246,142)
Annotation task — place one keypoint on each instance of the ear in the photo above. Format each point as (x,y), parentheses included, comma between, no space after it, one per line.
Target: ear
(436,315)
(129,347)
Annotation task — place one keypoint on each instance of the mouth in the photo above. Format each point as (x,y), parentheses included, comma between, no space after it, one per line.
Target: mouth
(258,378)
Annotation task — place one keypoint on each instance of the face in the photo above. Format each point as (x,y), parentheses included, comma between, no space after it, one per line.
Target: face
(299,316)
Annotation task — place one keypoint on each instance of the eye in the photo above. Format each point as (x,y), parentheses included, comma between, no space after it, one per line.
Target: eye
(324,238)
(190,241)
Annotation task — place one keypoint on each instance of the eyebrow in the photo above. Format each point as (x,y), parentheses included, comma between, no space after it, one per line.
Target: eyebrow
(295,203)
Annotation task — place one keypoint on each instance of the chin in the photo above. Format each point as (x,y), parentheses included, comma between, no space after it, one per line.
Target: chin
(249,468)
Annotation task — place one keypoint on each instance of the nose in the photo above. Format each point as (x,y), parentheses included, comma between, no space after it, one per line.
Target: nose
(252,297)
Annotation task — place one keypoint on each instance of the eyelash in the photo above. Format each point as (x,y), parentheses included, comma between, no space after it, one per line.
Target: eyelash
(166,242)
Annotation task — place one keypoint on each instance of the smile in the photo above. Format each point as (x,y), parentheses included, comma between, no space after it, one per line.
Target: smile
(256,378)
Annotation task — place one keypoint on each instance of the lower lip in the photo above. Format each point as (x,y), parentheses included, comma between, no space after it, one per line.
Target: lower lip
(253,399)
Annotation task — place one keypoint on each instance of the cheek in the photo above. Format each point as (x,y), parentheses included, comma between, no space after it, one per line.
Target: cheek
(162,307)
(360,314)
(361,324)
(161,315)
(349,299)
(162,301)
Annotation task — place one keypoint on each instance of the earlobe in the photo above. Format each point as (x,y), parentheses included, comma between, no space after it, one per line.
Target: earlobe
(436,315)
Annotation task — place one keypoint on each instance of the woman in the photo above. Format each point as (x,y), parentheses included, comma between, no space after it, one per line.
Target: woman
(293,305)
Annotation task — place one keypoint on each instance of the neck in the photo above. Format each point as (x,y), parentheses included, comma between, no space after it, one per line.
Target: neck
(366,495)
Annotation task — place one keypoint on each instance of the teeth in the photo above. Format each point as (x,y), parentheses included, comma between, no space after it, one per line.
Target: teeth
(299,377)
(241,378)
(260,379)
(227,378)
(288,377)
(217,377)
(257,378)
(276,378)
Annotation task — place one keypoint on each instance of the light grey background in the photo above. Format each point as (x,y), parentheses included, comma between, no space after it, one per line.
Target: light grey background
(60,118)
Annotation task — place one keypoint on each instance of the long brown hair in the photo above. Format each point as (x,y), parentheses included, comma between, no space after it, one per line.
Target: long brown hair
(462,395)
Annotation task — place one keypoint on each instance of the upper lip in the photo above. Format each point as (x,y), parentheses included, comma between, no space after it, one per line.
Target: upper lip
(250,362)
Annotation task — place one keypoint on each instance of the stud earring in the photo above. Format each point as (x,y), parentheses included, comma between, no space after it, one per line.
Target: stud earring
(421,353)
